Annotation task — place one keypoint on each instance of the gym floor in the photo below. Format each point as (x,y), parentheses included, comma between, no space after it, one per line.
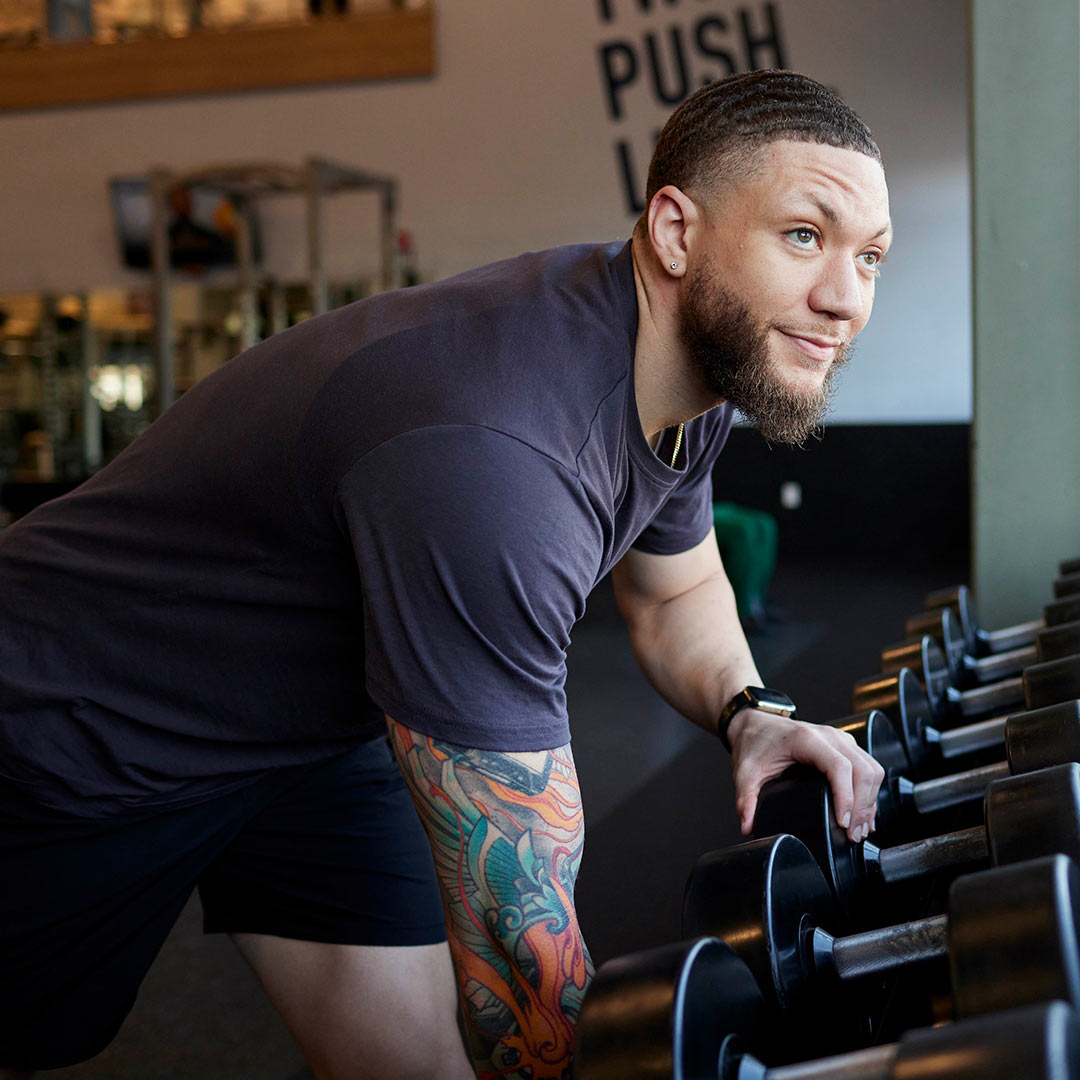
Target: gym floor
(657,794)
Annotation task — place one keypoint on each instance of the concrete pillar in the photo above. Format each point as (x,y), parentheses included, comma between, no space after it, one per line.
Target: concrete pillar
(1025,65)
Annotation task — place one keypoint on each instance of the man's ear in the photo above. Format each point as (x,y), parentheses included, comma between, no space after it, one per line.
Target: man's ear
(672,214)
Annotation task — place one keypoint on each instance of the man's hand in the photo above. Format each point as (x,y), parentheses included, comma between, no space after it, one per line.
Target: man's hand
(763,746)
(684,625)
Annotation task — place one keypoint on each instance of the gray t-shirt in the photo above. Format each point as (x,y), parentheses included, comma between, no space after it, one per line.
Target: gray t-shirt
(398,507)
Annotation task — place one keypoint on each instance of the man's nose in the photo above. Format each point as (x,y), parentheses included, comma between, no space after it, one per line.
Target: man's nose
(839,292)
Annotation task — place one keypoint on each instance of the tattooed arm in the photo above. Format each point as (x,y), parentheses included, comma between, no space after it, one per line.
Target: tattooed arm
(506,831)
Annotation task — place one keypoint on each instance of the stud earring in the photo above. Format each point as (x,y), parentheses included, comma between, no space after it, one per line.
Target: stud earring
(674,266)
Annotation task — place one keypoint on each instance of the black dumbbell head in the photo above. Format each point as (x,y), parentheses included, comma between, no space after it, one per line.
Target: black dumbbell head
(1057,641)
(757,897)
(913,714)
(902,698)
(1033,814)
(1052,682)
(1067,585)
(883,691)
(666,1012)
(1040,738)
(958,599)
(800,803)
(875,733)
(1013,936)
(1036,1042)
(934,674)
(943,628)
(1061,611)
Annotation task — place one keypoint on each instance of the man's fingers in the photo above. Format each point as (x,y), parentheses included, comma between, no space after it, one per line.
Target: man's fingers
(867,777)
(839,772)
(819,746)
(746,804)
(853,775)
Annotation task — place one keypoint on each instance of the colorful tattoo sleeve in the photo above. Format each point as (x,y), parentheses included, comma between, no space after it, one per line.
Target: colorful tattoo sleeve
(506,831)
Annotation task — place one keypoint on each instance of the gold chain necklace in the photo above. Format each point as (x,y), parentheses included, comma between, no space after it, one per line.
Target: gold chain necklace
(678,445)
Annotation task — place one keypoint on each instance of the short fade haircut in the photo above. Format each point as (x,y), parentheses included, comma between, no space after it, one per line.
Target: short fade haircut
(712,136)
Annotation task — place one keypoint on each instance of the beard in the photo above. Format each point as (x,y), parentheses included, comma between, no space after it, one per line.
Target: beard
(729,352)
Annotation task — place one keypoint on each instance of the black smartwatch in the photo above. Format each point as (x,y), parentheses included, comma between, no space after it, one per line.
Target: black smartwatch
(753,697)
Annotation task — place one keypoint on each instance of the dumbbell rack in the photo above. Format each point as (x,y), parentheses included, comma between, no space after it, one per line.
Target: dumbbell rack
(901,974)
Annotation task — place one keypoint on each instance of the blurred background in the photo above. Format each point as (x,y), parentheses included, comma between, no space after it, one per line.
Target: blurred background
(510,126)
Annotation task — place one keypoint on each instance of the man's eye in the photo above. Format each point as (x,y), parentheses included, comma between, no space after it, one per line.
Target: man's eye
(803,237)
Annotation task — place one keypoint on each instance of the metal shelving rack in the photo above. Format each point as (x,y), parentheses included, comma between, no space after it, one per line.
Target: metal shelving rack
(244,184)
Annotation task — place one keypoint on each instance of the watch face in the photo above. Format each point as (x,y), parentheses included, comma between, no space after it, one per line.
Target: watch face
(774,698)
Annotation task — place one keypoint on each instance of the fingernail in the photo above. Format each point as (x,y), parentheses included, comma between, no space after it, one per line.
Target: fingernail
(845,821)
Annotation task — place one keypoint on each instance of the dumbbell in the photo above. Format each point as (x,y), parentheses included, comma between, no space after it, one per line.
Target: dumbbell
(1030,739)
(1024,816)
(1010,934)
(966,671)
(1040,1042)
(981,642)
(692,1011)
(1039,685)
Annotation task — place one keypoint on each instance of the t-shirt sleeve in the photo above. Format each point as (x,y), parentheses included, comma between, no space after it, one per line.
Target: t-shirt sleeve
(685,517)
(476,554)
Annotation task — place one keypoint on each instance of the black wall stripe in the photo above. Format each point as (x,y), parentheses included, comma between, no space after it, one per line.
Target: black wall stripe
(900,490)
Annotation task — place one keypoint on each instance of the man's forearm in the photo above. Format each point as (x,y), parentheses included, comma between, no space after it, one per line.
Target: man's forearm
(689,642)
(506,833)
(692,648)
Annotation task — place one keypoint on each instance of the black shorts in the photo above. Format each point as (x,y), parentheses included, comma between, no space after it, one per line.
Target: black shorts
(332,852)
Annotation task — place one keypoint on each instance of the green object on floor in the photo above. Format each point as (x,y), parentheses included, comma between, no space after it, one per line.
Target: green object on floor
(747,540)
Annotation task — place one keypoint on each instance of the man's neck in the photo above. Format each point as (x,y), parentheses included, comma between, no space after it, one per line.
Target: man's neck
(666,392)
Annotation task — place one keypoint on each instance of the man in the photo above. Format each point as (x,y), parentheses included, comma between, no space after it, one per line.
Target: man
(385,523)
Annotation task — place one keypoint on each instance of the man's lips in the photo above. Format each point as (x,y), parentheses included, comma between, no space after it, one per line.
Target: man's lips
(817,346)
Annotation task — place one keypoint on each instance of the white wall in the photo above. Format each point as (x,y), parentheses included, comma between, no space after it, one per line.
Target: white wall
(511,146)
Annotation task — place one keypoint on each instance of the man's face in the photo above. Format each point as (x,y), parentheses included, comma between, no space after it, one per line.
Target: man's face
(780,279)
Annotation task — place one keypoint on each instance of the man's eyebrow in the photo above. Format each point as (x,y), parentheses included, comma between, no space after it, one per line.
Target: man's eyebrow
(833,218)
(830,215)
